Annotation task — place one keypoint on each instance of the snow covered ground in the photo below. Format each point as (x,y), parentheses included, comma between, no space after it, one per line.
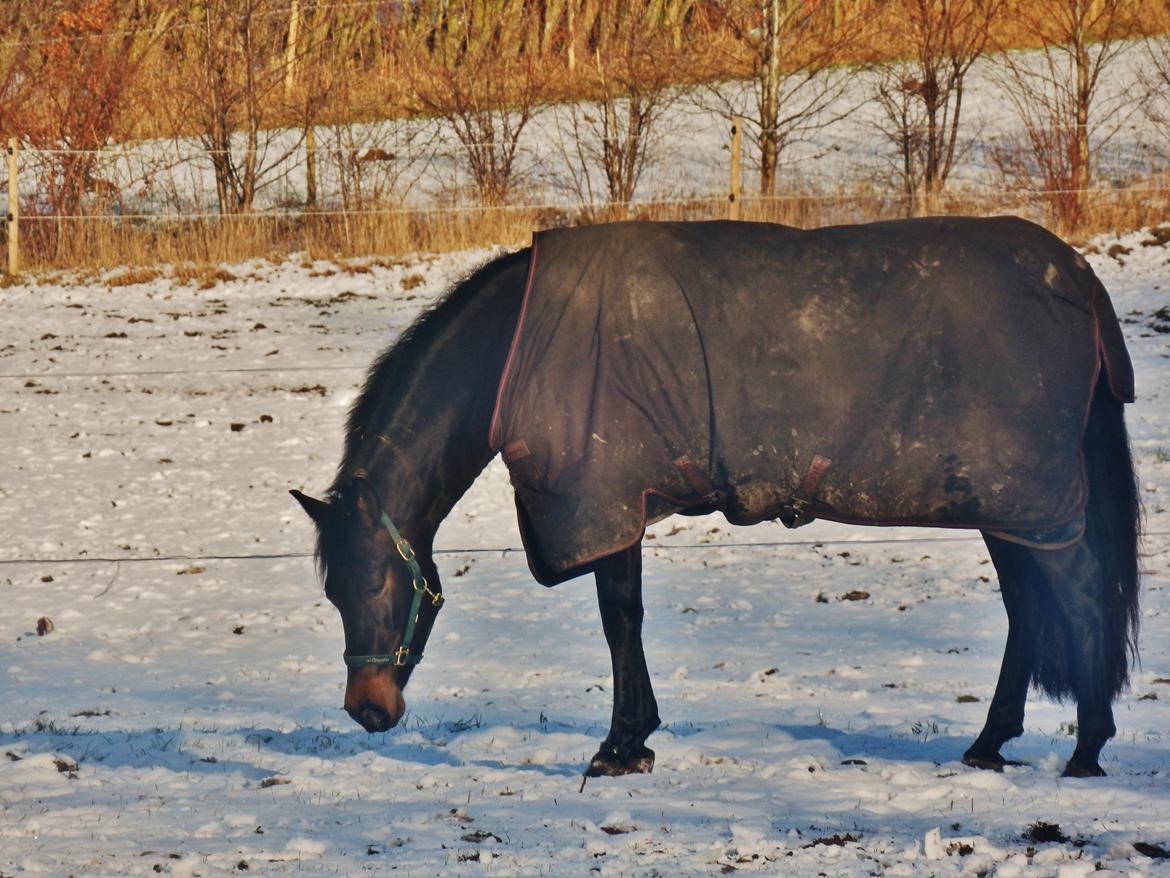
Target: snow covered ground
(183,717)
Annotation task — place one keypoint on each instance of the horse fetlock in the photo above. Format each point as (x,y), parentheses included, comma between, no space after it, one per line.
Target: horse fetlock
(984,753)
(649,725)
(1083,762)
(627,735)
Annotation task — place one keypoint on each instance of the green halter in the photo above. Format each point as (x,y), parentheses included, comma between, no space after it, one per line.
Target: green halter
(402,656)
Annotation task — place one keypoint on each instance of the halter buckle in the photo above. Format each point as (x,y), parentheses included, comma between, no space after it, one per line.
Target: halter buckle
(405,550)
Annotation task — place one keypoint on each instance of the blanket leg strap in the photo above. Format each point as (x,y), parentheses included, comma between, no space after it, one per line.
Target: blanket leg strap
(698,480)
(1051,539)
(796,514)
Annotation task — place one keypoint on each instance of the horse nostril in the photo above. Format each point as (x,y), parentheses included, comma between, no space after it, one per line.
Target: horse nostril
(372,717)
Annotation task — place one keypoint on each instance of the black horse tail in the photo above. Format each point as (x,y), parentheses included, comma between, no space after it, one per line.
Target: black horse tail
(1113,520)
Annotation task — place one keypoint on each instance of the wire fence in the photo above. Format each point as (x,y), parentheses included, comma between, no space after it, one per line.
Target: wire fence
(408,167)
(495,550)
(649,545)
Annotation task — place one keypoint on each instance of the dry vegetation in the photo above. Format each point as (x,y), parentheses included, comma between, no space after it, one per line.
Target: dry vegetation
(234,76)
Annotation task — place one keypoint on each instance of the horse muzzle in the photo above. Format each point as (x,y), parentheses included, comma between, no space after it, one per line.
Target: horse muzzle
(374,700)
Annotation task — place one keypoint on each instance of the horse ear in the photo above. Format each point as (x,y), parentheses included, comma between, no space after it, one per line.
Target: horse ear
(369,507)
(318,510)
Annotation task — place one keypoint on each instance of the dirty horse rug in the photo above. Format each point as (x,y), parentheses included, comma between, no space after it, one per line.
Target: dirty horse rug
(929,372)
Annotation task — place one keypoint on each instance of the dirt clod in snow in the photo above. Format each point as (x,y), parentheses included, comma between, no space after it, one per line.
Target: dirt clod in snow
(1041,832)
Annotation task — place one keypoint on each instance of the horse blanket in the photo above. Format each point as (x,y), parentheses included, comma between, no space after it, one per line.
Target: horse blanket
(932,372)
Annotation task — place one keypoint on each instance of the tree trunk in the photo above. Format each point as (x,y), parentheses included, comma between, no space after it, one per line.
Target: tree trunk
(770,96)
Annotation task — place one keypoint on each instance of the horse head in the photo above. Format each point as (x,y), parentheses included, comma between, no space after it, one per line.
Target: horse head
(387,596)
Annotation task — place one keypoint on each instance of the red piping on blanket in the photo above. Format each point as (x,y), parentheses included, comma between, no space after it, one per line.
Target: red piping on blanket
(493,442)
(1110,373)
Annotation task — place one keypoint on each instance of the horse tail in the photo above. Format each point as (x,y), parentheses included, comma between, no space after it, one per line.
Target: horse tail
(1113,518)
(1113,526)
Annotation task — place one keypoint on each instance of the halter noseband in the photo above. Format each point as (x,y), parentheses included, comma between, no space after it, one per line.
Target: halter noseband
(402,656)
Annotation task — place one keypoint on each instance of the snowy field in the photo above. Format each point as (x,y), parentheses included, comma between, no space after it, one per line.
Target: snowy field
(183,717)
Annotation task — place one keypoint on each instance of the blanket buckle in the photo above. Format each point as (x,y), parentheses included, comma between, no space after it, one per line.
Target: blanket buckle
(795,514)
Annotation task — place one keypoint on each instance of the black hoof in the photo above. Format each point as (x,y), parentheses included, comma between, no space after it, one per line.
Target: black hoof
(1076,768)
(608,763)
(987,761)
(994,763)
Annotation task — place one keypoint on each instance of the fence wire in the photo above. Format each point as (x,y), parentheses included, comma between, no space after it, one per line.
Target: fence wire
(502,551)
(372,176)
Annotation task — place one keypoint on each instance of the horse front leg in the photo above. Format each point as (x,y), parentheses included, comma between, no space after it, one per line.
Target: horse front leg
(635,712)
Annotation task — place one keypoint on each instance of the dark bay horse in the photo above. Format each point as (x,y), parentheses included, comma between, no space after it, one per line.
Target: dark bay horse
(945,372)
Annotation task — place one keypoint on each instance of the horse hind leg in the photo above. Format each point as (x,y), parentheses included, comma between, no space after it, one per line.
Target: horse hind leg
(1021,583)
(1082,652)
(1077,606)
(635,711)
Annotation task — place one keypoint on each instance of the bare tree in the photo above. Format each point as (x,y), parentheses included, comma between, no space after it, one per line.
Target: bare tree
(80,85)
(23,26)
(476,71)
(1056,94)
(379,164)
(234,96)
(922,97)
(613,136)
(1155,79)
(788,48)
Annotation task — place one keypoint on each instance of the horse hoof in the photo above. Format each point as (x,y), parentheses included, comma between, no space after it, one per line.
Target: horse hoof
(607,763)
(993,763)
(1083,769)
(987,761)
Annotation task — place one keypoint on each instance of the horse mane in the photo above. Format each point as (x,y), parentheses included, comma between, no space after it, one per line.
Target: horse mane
(391,371)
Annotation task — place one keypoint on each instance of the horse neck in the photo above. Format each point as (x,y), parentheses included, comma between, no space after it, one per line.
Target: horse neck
(429,441)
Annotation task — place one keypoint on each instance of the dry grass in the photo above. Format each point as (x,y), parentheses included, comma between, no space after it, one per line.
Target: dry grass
(1144,203)
(197,248)
(133,276)
(202,274)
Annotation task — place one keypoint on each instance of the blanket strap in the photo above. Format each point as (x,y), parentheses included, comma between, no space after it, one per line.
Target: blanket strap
(796,512)
(698,480)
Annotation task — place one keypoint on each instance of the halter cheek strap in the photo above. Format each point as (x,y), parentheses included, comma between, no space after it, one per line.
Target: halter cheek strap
(403,655)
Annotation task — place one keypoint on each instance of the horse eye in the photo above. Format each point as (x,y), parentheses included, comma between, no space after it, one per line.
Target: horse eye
(380,589)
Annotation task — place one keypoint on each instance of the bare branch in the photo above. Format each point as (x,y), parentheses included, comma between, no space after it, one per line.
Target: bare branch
(1056,94)
(922,97)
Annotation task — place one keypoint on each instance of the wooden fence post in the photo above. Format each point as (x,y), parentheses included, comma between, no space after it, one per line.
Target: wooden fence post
(733,194)
(13,216)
